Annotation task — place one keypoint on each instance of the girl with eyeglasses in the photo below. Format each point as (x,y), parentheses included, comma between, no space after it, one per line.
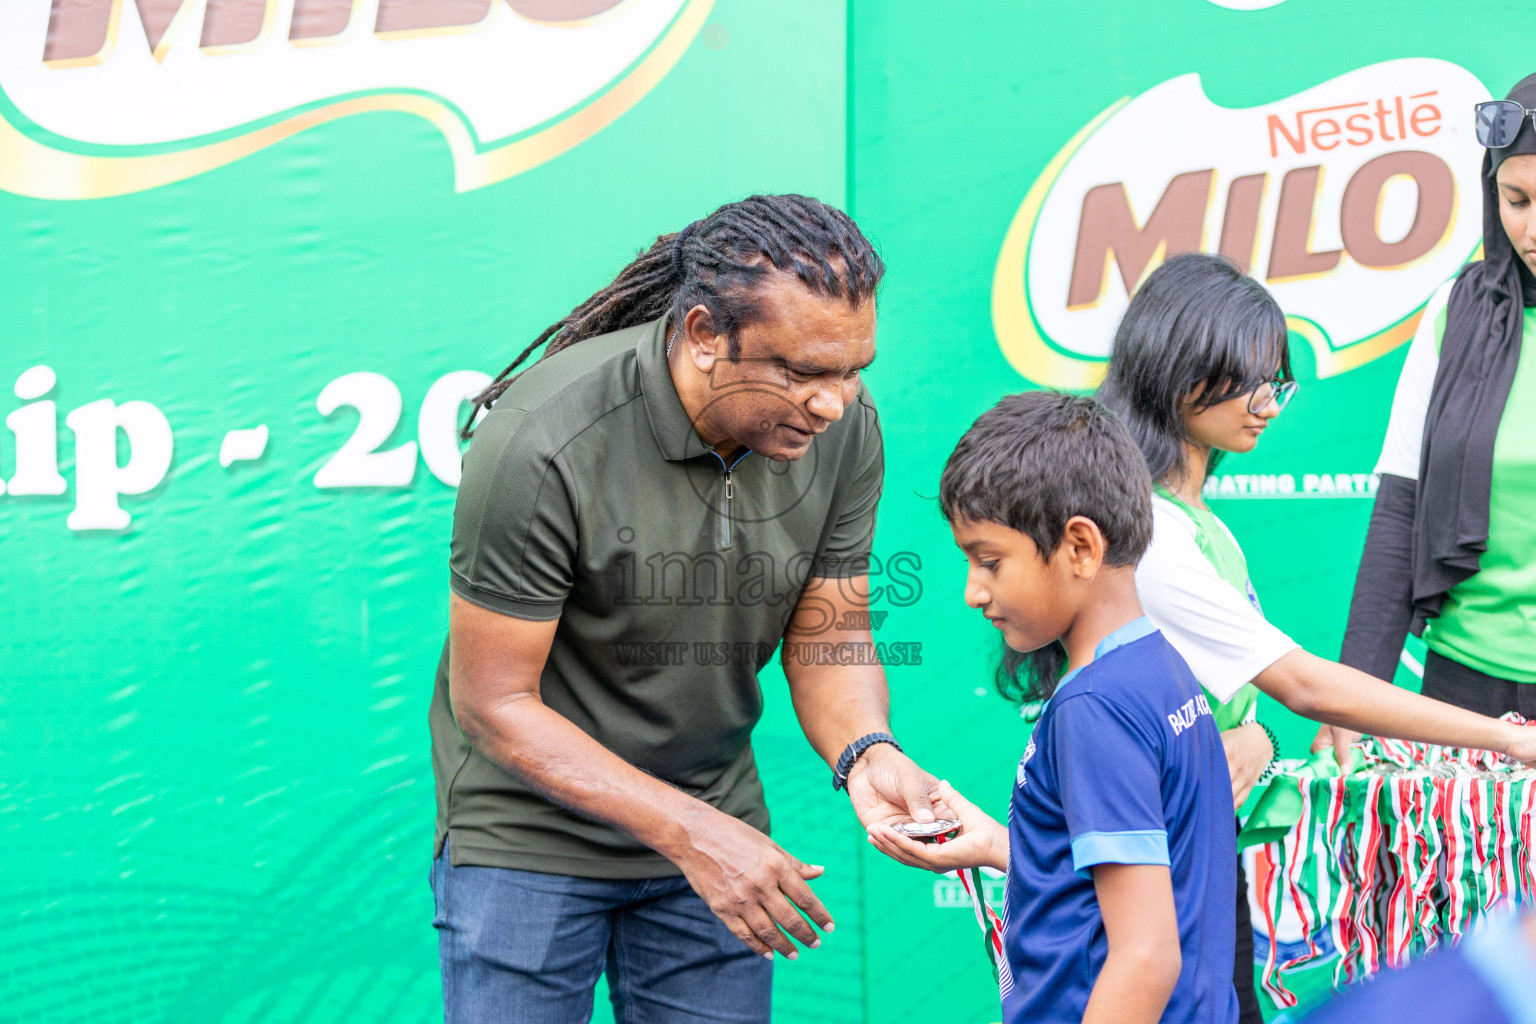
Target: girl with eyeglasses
(1451,549)
(1200,368)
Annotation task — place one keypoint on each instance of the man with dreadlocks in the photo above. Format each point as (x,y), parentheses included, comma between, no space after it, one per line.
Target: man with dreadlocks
(686,478)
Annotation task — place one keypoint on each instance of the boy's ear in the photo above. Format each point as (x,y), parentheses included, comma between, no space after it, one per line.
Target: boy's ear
(1082,543)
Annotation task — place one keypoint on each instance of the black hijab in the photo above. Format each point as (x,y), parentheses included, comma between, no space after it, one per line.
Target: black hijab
(1478,356)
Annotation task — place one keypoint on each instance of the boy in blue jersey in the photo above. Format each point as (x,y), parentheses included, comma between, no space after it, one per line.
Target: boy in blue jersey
(1119,849)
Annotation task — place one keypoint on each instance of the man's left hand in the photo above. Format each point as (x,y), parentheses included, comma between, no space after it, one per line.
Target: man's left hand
(886,787)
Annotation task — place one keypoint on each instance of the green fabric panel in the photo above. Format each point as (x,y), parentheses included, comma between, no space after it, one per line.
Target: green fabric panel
(1445,309)
(1227,558)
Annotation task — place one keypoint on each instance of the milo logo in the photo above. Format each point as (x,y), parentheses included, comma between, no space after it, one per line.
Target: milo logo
(105,97)
(1352,201)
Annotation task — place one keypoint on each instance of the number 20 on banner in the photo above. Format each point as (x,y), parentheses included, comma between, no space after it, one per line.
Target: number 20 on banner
(126,448)
(377,400)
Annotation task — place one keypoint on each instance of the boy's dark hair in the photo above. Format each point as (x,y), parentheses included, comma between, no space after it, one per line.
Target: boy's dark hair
(1032,462)
(1197,323)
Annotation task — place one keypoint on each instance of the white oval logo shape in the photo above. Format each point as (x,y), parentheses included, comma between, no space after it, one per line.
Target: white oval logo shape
(1352,201)
(510,83)
(1246,5)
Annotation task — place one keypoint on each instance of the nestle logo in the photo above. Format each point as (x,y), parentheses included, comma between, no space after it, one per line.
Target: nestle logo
(1325,128)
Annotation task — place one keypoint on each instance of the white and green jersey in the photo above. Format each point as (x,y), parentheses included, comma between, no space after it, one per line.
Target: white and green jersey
(1488,621)
(1193,585)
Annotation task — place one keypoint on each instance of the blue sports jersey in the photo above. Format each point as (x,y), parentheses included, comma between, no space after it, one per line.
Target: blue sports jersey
(1489,979)
(1125,766)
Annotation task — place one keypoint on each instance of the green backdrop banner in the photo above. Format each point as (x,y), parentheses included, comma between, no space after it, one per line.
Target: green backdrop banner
(259,250)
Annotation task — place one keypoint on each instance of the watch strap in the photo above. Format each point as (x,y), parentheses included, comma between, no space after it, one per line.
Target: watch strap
(850,754)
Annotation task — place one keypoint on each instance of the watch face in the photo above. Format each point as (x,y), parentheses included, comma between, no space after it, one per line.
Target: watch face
(927,829)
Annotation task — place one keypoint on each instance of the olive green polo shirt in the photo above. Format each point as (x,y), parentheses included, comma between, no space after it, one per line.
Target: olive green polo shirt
(588,497)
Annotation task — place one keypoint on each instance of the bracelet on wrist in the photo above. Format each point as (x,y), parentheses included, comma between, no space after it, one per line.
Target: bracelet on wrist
(1274,752)
(1274,744)
(850,754)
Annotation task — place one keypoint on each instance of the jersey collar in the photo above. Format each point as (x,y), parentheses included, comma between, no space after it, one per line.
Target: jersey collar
(1126,634)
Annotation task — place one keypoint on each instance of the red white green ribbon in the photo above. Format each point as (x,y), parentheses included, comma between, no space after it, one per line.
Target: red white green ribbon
(986,918)
(1392,860)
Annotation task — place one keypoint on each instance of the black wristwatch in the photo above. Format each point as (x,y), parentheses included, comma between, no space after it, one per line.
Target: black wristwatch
(851,754)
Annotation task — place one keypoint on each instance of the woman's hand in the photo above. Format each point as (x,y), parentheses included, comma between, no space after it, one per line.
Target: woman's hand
(982,842)
(1340,739)
(1521,744)
(1248,754)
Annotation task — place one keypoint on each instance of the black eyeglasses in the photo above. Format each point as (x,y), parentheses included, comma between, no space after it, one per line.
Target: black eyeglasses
(1498,122)
(1277,391)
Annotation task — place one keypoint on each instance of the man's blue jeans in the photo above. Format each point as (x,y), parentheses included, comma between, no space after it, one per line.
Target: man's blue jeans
(523,947)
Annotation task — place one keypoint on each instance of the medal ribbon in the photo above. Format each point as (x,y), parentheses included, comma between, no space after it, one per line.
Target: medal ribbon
(986,918)
(1415,843)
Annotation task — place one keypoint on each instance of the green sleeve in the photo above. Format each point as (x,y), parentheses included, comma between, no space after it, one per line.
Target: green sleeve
(845,551)
(514,525)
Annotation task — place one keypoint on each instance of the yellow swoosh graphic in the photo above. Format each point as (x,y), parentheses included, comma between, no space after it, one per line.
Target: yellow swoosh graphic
(1018,335)
(30,168)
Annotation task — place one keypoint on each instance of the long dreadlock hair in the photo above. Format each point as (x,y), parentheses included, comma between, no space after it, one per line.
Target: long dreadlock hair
(717,263)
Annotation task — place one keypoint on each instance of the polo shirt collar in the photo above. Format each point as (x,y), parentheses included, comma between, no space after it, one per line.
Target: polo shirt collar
(670,425)
(1126,634)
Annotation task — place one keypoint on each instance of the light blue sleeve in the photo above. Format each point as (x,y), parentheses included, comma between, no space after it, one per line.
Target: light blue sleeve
(1140,846)
(1108,771)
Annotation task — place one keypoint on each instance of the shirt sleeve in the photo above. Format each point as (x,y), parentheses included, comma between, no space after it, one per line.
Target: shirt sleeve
(846,550)
(1217,630)
(1405,427)
(1381,608)
(514,524)
(1109,772)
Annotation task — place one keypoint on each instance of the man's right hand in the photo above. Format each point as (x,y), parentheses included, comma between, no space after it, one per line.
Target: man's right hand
(494,669)
(751,883)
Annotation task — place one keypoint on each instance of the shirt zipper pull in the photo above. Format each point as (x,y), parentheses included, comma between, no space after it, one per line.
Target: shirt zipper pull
(725,513)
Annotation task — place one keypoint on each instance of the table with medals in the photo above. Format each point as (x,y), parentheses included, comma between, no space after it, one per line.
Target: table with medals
(1388,860)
